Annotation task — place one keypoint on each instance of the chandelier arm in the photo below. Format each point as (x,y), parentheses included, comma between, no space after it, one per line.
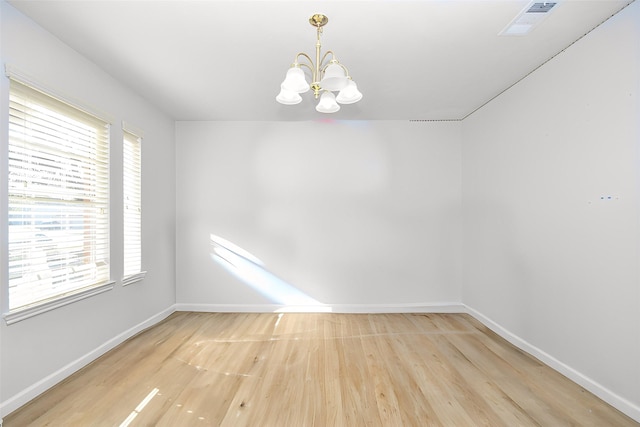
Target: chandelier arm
(305,56)
(310,65)
(327,53)
(302,64)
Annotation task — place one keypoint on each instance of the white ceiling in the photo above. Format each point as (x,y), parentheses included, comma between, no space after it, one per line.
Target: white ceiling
(225,60)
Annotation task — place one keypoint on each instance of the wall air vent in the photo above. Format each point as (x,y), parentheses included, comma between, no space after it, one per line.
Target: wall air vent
(528,19)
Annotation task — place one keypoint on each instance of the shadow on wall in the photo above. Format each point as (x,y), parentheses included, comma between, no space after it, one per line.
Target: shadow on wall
(251,271)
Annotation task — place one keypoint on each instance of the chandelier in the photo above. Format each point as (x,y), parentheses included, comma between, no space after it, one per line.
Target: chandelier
(327,76)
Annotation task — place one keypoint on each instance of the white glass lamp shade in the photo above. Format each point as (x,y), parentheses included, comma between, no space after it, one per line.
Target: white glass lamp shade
(327,103)
(334,78)
(288,97)
(295,81)
(349,94)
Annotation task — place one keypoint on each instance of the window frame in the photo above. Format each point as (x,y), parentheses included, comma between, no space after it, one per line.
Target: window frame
(85,288)
(132,174)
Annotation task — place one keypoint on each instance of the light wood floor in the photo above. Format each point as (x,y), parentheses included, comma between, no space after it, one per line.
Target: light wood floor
(205,369)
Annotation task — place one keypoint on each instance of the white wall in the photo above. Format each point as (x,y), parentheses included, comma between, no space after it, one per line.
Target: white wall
(545,257)
(356,215)
(37,352)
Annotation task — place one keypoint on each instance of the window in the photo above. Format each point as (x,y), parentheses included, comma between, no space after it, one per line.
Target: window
(58,188)
(132,206)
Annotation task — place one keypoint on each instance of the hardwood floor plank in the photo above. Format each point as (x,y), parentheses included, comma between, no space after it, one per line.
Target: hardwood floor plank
(317,369)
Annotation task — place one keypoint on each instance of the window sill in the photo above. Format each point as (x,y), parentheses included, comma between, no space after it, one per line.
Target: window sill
(133,278)
(25,313)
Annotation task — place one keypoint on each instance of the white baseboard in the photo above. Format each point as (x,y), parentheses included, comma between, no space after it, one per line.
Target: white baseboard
(618,402)
(46,383)
(446,307)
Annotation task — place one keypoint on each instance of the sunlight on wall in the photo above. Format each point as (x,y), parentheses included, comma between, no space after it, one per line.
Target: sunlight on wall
(250,270)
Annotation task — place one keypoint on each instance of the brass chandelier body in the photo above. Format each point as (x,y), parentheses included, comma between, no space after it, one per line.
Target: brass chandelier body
(318,21)
(327,75)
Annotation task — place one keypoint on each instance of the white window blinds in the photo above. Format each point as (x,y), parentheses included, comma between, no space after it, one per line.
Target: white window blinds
(132,205)
(58,187)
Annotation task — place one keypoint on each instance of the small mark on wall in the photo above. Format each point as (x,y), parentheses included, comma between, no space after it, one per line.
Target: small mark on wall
(605,198)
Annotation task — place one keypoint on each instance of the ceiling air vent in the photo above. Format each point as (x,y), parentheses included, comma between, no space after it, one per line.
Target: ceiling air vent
(540,7)
(528,19)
